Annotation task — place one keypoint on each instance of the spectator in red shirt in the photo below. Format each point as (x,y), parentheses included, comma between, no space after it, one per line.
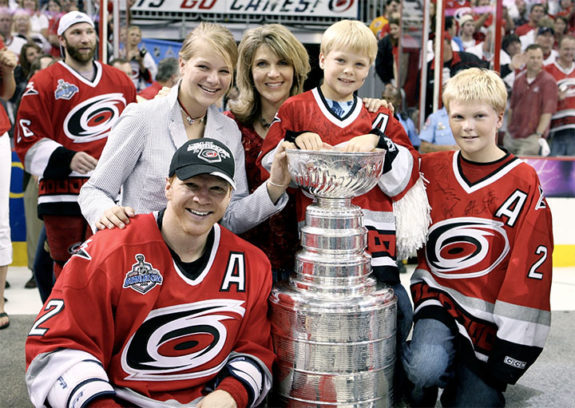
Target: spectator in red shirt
(535,14)
(167,76)
(53,12)
(533,102)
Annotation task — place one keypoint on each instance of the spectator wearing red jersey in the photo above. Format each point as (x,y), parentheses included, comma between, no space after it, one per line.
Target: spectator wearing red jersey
(53,12)
(546,39)
(562,132)
(535,14)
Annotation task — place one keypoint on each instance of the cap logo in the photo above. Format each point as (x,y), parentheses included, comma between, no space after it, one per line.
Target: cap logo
(209,152)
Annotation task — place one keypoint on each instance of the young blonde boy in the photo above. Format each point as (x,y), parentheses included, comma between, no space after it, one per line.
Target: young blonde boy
(481,288)
(333,116)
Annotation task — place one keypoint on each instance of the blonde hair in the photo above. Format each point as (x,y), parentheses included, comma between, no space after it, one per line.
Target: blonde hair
(474,85)
(219,39)
(247,106)
(349,34)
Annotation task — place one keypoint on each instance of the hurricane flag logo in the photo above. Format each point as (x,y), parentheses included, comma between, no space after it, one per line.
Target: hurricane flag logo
(93,118)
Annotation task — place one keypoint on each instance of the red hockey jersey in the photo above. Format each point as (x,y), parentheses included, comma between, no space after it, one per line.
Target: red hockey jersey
(62,113)
(564,117)
(310,112)
(486,268)
(123,315)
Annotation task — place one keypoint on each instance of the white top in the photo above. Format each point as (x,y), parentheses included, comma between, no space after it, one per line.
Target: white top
(137,158)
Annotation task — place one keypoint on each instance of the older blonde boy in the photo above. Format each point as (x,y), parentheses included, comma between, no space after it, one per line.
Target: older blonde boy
(332,116)
(481,288)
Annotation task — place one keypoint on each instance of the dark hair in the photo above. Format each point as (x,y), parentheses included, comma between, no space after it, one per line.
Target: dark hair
(23,60)
(538,5)
(566,21)
(37,65)
(55,1)
(449,22)
(534,47)
(508,40)
(118,61)
(167,68)
(394,20)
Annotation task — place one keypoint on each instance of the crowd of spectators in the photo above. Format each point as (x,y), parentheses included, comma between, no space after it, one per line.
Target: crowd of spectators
(469,42)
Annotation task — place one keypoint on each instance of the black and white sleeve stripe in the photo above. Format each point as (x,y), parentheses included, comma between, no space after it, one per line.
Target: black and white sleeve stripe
(79,385)
(253,375)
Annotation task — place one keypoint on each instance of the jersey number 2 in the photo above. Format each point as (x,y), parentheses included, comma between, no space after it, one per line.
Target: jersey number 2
(533,274)
(54,307)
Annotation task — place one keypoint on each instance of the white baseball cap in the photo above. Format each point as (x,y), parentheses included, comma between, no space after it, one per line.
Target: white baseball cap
(71,18)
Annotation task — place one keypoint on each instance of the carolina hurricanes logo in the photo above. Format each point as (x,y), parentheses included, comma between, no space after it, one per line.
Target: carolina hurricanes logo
(466,247)
(459,12)
(93,118)
(174,342)
(567,85)
(340,5)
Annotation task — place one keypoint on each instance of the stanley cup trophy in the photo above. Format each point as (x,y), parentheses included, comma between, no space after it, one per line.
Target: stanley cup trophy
(333,329)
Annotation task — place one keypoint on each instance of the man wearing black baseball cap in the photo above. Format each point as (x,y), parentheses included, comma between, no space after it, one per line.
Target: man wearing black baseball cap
(177,305)
(203,156)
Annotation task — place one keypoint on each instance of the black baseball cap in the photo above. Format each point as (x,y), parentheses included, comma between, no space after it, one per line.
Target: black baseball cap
(544,30)
(203,156)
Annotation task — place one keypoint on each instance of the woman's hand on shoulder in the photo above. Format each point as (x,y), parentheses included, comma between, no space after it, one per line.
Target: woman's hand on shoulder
(373,105)
(116,216)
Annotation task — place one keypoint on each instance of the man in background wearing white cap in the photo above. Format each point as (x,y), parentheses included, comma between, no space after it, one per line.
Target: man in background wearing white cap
(170,311)
(64,119)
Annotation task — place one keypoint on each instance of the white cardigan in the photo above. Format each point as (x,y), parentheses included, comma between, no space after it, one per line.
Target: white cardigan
(137,156)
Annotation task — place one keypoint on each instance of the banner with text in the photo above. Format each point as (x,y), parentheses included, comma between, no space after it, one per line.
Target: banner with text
(308,8)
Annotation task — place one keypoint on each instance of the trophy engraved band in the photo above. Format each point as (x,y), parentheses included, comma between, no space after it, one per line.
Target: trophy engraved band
(333,328)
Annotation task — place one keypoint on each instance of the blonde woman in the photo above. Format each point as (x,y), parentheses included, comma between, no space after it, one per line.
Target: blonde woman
(144,68)
(137,154)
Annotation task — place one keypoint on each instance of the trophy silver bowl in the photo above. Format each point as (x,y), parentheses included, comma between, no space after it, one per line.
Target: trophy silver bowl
(333,327)
(333,173)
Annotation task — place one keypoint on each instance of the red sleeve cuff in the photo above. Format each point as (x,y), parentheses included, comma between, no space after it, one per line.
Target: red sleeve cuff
(236,390)
(104,402)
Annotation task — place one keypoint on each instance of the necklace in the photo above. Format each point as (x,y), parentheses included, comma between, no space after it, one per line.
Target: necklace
(189,118)
(265,124)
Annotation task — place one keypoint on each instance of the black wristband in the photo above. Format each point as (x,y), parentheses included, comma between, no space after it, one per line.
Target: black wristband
(291,136)
(59,163)
(381,144)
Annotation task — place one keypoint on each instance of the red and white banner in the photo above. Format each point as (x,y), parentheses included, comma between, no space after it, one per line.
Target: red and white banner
(309,8)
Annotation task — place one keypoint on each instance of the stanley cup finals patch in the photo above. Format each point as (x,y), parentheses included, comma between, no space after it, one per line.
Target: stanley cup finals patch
(143,277)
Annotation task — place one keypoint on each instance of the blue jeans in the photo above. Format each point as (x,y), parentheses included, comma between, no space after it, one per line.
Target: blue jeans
(563,143)
(404,314)
(430,362)
(404,322)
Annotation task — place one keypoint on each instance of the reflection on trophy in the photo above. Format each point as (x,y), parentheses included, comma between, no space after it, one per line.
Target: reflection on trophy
(333,329)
